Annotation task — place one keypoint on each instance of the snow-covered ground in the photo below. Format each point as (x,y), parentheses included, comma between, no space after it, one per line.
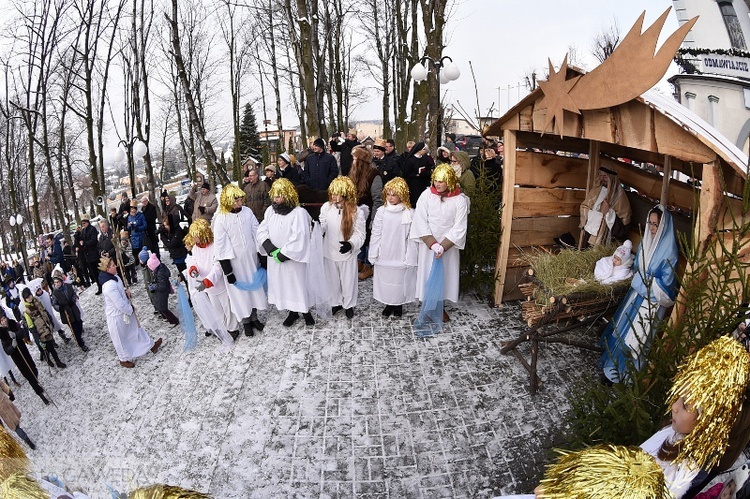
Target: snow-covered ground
(359,408)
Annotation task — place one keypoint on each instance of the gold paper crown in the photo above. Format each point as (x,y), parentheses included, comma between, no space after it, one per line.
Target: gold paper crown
(104,263)
(713,380)
(399,188)
(605,472)
(444,173)
(199,232)
(229,194)
(284,189)
(343,186)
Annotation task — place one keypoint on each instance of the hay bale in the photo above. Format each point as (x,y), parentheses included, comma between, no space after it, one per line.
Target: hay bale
(571,272)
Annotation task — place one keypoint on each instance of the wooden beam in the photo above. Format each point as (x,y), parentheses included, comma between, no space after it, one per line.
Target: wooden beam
(540,230)
(549,170)
(539,202)
(593,170)
(509,183)
(666,178)
(712,202)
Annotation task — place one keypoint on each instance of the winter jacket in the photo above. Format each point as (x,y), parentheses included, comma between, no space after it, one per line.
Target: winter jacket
(137,228)
(208,202)
(256,198)
(345,159)
(9,413)
(57,255)
(290,173)
(161,294)
(64,300)
(39,318)
(105,244)
(175,213)
(172,241)
(90,238)
(320,170)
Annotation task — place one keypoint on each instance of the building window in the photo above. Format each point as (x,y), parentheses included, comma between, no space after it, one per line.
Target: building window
(734,30)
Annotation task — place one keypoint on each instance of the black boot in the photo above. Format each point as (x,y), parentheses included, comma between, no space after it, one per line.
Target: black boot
(60,364)
(66,339)
(387,311)
(234,335)
(291,319)
(335,310)
(309,319)
(44,399)
(398,310)
(255,322)
(249,331)
(350,313)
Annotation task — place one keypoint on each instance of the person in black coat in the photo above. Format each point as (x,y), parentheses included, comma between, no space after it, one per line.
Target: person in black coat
(344,147)
(106,247)
(122,214)
(286,169)
(11,336)
(172,239)
(152,215)
(56,252)
(64,300)
(160,288)
(417,171)
(320,168)
(89,244)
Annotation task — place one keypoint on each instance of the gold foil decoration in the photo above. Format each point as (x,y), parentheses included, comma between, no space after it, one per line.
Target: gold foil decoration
(399,188)
(605,472)
(160,491)
(343,186)
(283,188)
(14,458)
(104,263)
(199,233)
(444,173)
(229,193)
(713,380)
(20,486)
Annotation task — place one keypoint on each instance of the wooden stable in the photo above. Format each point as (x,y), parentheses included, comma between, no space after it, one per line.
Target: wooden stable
(646,140)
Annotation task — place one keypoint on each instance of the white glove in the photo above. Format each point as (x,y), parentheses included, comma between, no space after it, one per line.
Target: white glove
(437,248)
(126,318)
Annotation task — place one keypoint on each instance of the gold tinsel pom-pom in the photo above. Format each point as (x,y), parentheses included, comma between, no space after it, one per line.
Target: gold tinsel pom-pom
(166,492)
(230,193)
(13,459)
(713,380)
(20,486)
(605,472)
(284,189)
(399,188)
(343,186)
(444,173)
(199,233)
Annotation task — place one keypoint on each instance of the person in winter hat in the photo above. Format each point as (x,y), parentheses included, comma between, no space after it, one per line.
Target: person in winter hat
(617,267)
(38,320)
(148,276)
(65,301)
(320,167)
(160,288)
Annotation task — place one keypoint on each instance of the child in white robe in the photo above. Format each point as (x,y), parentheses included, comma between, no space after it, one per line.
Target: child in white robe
(617,267)
(343,224)
(392,253)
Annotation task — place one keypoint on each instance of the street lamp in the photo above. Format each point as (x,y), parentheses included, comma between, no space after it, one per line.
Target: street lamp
(17,221)
(446,73)
(133,148)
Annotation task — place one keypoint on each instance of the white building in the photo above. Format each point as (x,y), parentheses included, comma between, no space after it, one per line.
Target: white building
(714,78)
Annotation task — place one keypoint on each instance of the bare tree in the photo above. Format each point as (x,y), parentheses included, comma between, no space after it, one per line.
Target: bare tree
(605,42)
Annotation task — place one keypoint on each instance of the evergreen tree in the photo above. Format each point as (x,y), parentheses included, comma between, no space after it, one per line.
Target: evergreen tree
(249,137)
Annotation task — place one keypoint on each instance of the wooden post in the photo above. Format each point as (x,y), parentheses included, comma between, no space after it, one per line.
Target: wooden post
(509,181)
(665,180)
(594,162)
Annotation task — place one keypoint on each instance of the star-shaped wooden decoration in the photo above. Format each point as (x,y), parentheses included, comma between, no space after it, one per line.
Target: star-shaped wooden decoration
(557,96)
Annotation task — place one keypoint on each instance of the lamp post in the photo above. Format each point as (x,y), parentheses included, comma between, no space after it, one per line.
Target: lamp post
(446,72)
(133,147)
(16,221)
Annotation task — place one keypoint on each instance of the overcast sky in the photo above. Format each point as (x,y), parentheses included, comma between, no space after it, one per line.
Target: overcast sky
(503,39)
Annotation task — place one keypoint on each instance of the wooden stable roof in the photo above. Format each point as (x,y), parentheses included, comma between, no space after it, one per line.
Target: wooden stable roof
(672,130)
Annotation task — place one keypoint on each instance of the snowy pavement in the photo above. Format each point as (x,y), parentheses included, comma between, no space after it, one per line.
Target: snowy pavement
(359,408)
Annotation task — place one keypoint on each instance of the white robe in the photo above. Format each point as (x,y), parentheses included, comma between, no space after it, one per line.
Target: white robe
(287,282)
(444,218)
(129,339)
(678,477)
(217,310)
(394,255)
(341,269)
(234,240)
